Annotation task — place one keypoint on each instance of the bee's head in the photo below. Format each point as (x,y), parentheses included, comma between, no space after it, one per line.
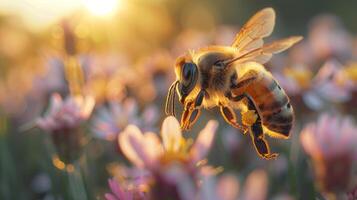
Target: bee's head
(187,76)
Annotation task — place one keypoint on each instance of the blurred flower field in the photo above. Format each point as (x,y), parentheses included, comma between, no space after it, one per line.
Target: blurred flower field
(83,86)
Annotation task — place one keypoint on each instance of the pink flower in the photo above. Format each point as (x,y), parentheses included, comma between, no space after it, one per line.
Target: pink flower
(146,150)
(132,182)
(110,120)
(295,80)
(326,85)
(328,38)
(174,164)
(120,192)
(227,187)
(62,120)
(256,186)
(331,143)
(347,77)
(67,114)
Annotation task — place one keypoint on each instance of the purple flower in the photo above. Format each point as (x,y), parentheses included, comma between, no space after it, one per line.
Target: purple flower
(63,119)
(66,114)
(110,120)
(295,80)
(256,186)
(227,187)
(174,163)
(328,38)
(325,87)
(121,192)
(329,85)
(146,150)
(331,143)
(347,77)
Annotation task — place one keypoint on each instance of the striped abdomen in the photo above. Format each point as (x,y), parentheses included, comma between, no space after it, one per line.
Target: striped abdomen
(272,105)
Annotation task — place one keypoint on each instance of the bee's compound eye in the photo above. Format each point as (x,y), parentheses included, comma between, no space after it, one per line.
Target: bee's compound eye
(188,71)
(189,75)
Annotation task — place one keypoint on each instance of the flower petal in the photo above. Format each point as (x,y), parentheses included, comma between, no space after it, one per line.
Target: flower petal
(56,102)
(145,149)
(153,148)
(116,189)
(109,196)
(208,189)
(87,107)
(171,134)
(308,140)
(125,142)
(256,185)
(177,176)
(204,141)
(228,187)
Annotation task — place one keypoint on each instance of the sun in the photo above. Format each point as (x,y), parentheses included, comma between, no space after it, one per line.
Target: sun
(101,7)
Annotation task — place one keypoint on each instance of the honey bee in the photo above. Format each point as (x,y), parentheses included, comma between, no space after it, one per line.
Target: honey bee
(233,77)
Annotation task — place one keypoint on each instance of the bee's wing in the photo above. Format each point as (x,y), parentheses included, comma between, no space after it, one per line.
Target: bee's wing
(263,54)
(252,33)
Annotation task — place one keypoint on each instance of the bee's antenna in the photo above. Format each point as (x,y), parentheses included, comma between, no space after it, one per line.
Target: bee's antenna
(174,98)
(170,100)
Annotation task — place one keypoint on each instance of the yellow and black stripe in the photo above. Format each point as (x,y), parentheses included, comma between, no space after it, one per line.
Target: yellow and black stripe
(273,105)
(269,99)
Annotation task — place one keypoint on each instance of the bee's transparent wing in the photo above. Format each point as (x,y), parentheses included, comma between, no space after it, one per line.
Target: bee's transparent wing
(251,35)
(263,54)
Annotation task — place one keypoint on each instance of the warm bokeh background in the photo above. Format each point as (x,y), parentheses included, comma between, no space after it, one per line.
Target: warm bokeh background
(120,53)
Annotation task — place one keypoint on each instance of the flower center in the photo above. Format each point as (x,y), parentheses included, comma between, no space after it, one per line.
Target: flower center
(301,76)
(181,155)
(351,71)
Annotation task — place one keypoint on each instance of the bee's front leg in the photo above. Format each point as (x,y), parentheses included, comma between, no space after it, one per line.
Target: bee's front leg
(189,117)
(192,111)
(186,115)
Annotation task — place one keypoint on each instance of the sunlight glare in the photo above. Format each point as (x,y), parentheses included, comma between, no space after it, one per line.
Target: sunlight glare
(101,7)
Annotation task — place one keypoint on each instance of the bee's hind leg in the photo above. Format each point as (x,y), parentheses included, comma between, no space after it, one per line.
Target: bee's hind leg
(257,134)
(260,144)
